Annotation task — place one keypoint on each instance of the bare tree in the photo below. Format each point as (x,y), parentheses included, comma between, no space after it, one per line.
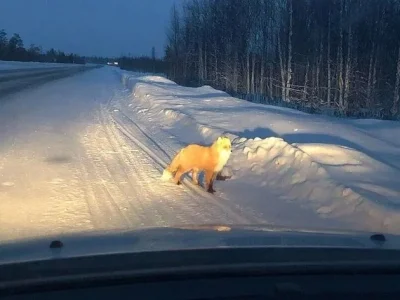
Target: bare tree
(395,106)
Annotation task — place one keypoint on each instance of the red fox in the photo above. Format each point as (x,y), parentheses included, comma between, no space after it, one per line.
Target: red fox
(197,158)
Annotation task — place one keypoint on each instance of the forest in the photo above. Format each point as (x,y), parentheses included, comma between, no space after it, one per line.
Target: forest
(337,57)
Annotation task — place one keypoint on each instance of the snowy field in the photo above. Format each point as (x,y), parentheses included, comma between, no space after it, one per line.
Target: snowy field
(87,152)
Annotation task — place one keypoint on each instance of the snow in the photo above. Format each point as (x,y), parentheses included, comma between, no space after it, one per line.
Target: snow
(337,169)
(67,166)
(87,153)
(10,65)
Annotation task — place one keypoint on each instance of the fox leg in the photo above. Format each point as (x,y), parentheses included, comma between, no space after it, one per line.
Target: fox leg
(210,176)
(195,176)
(212,183)
(178,175)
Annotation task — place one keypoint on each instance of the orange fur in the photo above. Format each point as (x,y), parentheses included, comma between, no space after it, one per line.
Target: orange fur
(197,158)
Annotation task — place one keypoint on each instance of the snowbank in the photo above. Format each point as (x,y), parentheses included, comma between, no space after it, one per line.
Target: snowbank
(319,163)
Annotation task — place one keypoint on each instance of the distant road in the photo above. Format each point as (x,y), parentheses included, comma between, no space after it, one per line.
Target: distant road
(13,79)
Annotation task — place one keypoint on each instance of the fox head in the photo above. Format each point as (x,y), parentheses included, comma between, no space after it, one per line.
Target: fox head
(223,144)
(224,148)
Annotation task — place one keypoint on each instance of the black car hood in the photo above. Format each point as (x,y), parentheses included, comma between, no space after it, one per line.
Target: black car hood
(188,237)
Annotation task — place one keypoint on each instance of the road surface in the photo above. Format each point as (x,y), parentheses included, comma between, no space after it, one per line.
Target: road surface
(69,164)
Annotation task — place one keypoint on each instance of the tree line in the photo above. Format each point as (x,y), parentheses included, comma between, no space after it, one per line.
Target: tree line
(332,56)
(143,64)
(13,49)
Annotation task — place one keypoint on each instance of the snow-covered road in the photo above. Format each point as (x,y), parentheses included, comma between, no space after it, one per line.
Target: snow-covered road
(68,166)
(86,153)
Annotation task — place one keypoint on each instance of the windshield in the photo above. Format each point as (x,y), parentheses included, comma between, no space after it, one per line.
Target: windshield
(124,115)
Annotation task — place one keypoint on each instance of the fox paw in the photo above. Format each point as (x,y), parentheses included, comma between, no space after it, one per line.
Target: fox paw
(222,177)
(211,190)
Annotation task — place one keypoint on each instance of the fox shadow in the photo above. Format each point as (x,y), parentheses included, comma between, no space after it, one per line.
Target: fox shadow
(260,132)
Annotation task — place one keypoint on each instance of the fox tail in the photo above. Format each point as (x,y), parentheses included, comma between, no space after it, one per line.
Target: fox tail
(170,170)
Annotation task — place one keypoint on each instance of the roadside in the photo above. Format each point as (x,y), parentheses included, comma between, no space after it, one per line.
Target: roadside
(280,166)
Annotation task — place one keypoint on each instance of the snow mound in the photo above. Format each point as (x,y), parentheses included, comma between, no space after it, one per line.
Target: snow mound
(147,94)
(283,165)
(157,79)
(277,164)
(209,89)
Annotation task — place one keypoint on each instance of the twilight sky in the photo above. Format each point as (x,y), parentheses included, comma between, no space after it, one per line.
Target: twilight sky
(89,27)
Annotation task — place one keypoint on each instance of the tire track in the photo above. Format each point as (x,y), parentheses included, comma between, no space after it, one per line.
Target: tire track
(134,178)
(183,212)
(120,175)
(104,213)
(166,199)
(212,204)
(156,211)
(164,203)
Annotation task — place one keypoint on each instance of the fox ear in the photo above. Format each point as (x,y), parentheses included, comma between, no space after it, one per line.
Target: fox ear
(219,139)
